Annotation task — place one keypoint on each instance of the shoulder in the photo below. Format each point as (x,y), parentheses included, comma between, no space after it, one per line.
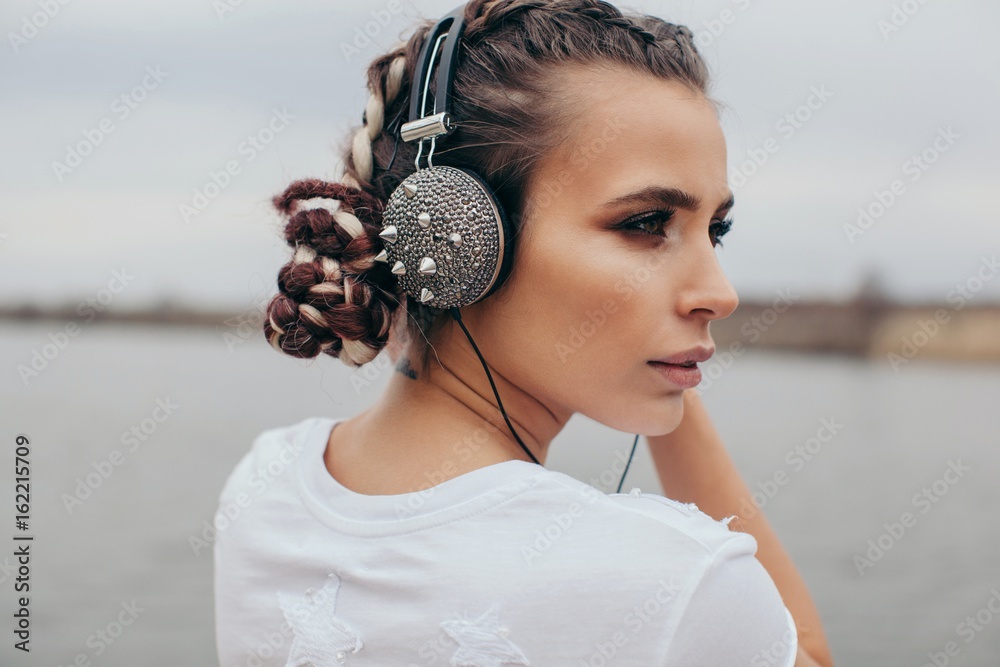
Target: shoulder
(648,519)
(268,458)
(577,525)
(734,613)
(684,517)
(728,609)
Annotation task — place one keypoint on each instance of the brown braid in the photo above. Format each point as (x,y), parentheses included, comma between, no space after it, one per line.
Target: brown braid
(334,297)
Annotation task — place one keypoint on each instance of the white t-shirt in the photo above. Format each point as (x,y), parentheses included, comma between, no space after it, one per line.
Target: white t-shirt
(511,564)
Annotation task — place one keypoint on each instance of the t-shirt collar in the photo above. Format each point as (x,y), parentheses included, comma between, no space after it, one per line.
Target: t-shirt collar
(373,515)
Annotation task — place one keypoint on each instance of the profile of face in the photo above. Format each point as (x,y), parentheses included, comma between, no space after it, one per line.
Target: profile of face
(608,274)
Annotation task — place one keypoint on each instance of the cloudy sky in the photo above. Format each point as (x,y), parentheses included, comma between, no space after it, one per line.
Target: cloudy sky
(114,115)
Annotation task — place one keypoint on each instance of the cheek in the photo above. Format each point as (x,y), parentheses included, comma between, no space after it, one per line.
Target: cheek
(576,309)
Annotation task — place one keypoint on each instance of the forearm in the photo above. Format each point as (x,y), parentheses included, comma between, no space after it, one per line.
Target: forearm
(694,466)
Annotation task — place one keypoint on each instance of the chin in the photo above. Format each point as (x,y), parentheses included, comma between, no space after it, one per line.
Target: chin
(661,417)
(670,416)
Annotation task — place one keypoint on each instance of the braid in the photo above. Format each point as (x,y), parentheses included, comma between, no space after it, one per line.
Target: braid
(494,13)
(387,77)
(333,296)
(610,15)
(374,119)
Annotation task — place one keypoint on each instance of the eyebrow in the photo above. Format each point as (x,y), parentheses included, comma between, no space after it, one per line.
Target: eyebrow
(670,197)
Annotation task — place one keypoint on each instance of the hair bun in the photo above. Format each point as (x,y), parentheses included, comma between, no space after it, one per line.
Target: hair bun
(333,296)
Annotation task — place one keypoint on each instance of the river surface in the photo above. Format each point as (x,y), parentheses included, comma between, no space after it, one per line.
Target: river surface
(124,551)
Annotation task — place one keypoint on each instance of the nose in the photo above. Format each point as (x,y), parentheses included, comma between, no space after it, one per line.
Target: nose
(708,292)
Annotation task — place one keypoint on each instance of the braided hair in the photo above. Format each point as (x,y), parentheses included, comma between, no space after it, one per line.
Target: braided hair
(333,296)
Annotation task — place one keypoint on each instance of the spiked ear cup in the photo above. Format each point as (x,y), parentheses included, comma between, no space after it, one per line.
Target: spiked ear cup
(447,237)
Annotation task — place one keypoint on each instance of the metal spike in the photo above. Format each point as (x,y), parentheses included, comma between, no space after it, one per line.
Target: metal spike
(382,257)
(388,234)
(424,219)
(398,268)
(410,189)
(426,295)
(428,266)
(455,238)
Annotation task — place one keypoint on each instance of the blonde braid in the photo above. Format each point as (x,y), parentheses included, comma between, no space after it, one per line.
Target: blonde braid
(361,147)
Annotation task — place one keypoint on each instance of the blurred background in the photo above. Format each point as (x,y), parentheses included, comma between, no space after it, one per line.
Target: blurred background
(856,385)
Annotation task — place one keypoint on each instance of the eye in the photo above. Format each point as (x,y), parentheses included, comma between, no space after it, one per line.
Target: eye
(718,229)
(651,223)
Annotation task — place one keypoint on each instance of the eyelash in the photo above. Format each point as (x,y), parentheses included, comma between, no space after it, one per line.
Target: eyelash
(633,224)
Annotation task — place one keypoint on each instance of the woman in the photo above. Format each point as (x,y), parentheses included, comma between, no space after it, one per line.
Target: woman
(425,531)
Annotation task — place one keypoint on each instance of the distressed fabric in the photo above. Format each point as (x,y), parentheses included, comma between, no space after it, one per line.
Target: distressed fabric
(511,564)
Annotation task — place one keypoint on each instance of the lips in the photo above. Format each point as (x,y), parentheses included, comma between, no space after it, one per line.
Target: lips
(681,369)
(689,357)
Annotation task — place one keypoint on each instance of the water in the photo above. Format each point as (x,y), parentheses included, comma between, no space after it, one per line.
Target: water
(129,540)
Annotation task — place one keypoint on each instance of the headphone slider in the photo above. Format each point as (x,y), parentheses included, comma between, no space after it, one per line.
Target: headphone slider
(423,128)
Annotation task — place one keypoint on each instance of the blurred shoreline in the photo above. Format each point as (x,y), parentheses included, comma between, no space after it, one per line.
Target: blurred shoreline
(893,332)
(867,326)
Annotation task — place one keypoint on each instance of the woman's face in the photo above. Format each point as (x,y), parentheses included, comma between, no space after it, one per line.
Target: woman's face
(589,303)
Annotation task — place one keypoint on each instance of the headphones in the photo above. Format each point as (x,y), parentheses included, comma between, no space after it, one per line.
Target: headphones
(446,235)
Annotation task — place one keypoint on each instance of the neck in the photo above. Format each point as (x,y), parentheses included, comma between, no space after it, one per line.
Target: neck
(445,418)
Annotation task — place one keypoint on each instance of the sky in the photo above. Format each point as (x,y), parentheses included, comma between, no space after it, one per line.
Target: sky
(118,120)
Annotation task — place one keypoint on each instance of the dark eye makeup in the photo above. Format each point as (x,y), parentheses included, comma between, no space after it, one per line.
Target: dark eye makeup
(652,223)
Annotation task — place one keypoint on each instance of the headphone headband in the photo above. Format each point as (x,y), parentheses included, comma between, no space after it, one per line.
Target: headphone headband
(420,125)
